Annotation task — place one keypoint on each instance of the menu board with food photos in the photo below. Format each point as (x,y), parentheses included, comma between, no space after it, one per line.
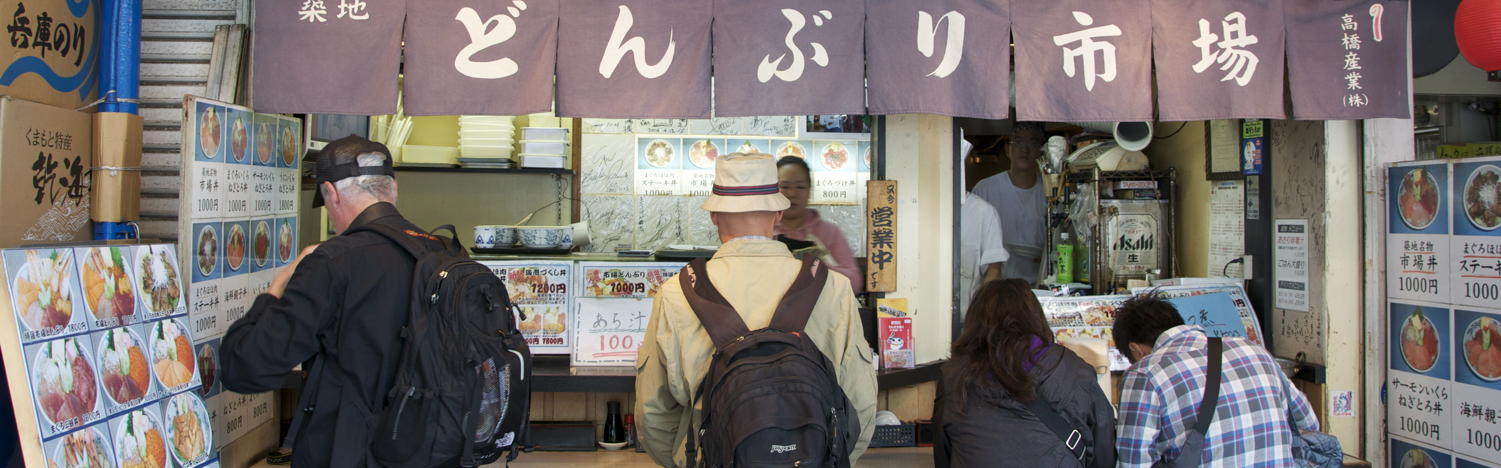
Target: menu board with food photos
(100,360)
(543,293)
(1086,318)
(684,165)
(1443,252)
(612,307)
(238,218)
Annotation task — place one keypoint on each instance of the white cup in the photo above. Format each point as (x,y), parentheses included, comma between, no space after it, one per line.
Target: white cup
(484,237)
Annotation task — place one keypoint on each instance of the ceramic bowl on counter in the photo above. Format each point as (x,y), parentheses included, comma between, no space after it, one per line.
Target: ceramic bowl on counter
(545,237)
(505,236)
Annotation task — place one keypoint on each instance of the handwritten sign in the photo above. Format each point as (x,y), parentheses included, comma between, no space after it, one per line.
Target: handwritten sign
(880,229)
(1216,313)
(1247,315)
(613,308)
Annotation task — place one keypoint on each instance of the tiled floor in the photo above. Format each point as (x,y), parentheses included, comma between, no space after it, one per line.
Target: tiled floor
(875,458)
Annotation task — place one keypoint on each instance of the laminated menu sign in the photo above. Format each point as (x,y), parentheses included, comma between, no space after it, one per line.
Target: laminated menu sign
(612,309)
(1475,250)
(542,290)
(659,164)
(238,230)
(1417,244)
(99,391)
(835,172)
(1477,384)
(698,173)
(1085,318)
(1291,264)
(1419,388)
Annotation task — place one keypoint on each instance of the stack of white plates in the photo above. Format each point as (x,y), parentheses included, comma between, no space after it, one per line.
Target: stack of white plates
(486,137)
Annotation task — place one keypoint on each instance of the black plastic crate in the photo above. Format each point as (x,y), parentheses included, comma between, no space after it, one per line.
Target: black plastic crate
(901,435)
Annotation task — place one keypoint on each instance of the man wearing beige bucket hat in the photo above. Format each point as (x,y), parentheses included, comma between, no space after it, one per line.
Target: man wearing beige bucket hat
(752,272)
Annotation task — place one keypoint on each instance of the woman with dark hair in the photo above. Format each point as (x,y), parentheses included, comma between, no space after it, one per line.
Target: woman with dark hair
(802,223)
(1005,369)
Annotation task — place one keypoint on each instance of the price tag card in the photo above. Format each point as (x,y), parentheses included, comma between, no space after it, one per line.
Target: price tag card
(263,190)
(1417,245)
(1475,251)
(237,190)
(1419,402)
(207,184)
(1477,384)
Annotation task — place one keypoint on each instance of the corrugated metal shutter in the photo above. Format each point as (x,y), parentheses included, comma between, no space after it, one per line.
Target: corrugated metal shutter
(177,43)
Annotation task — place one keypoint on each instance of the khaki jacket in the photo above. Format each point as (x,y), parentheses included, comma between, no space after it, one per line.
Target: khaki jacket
(676,351)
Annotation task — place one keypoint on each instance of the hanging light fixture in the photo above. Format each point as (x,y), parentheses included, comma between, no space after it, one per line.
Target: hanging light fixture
(1477,29)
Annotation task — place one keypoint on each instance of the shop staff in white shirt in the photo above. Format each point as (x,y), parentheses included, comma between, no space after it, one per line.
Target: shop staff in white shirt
(1019,203)
(982,252)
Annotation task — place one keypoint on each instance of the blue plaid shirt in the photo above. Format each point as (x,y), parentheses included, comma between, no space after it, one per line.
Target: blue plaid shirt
(1160,398)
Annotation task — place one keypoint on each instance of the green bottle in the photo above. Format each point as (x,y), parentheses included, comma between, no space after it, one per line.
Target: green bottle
(1065,269)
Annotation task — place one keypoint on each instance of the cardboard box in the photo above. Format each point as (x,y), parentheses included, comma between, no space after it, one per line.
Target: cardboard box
(51,50)
(117,173)
(46,154)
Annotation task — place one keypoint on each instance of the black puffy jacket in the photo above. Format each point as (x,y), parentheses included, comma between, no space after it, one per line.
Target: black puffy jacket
(993,428)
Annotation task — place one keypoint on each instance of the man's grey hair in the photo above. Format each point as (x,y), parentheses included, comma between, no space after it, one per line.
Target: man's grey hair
(377,187)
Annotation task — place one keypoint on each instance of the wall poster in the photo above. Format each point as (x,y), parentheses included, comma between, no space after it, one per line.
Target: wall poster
(1290,264)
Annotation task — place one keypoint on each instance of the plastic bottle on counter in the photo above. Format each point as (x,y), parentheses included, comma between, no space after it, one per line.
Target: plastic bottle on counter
(1065,265)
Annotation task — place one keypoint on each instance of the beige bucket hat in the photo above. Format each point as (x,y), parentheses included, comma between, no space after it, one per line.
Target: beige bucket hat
(745,182)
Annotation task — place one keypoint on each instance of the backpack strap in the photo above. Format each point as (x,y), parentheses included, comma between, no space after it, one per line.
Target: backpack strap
(714,312)
(414,242)
(1193,448)
(797,306)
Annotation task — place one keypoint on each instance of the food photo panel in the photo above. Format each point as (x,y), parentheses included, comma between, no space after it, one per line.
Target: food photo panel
(88,447)
(1477,383)
(208,251)
(262,244)
(64,384)
(123,367)
(107,281)
(210,121)
(264,137)
(286,240)
(1417,254)
(1475,257)
(159,280)
(139,438)
(188,432)
(171,352)
(44,293)
(236,248)
(1420,406)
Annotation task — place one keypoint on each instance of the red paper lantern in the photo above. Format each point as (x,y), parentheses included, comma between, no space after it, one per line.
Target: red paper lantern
(1477,29)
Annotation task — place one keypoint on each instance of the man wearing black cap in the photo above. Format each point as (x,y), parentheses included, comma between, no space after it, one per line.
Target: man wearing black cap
(338,310)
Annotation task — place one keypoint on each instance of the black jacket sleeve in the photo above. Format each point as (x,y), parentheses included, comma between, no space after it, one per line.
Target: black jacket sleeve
(1102,416)
(275,335)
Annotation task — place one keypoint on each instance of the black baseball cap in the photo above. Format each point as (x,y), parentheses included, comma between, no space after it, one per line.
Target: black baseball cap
(339,160)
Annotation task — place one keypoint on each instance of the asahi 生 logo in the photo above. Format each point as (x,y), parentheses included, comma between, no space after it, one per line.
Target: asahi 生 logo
(783,448)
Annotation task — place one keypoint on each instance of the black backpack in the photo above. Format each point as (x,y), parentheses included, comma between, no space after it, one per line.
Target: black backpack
(462,394)
(770,397)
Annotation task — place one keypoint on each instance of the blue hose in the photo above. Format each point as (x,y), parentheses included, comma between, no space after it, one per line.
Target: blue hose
(120,61)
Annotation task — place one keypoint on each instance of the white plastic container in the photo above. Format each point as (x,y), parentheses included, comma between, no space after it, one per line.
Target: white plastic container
(544,134)
(543,161)
(421,154)
(555,148)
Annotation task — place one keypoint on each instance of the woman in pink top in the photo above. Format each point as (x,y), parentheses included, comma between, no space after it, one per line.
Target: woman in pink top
(802,223)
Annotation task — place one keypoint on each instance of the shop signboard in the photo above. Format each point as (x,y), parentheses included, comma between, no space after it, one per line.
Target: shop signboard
(880,235)
(1475,250)
(1347,59)
(810,57)
(543,291)
(1084,60)
(1290,268)
(613,307)
(95,339)
(479,58)
(1221,59)
(298,46)
(1418,253)
(238,212)
(960,65)
(635,57)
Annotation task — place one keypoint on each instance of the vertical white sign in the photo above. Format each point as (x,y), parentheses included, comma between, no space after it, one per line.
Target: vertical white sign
(1291,257)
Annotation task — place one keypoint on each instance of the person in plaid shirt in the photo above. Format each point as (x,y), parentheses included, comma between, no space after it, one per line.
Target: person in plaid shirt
(1163,388)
